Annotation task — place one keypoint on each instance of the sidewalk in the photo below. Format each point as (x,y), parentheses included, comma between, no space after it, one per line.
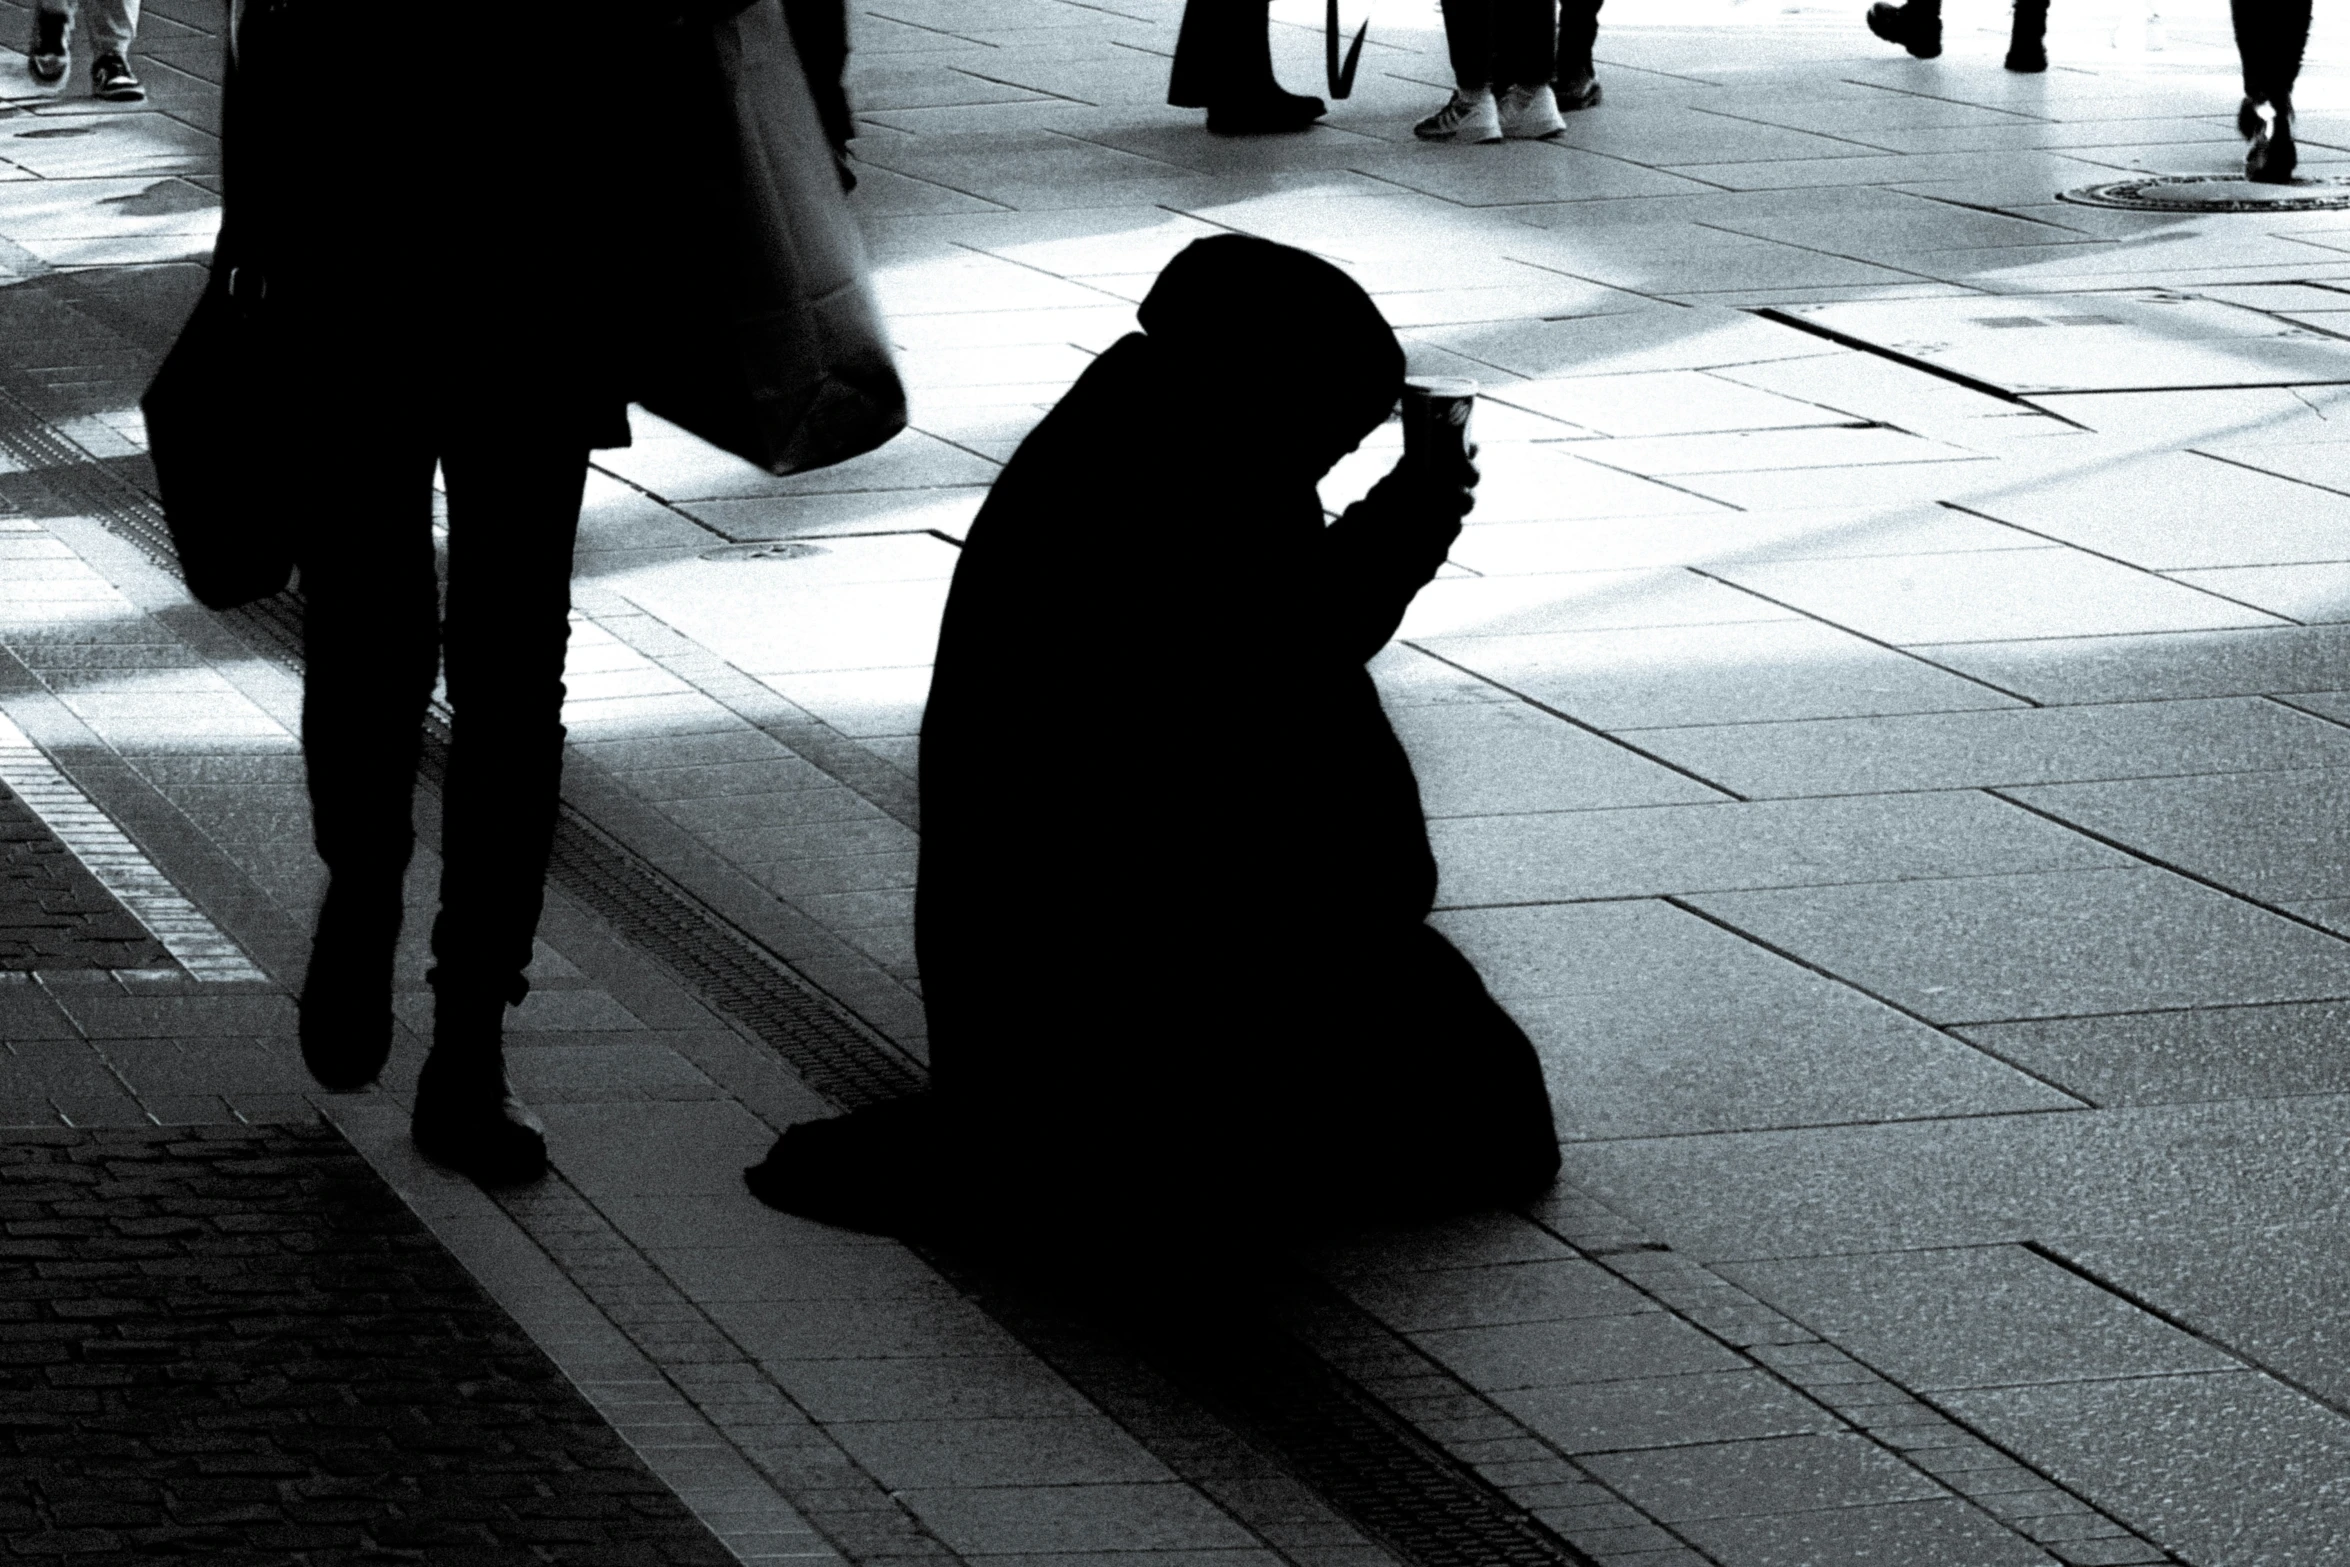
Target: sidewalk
(1884,732)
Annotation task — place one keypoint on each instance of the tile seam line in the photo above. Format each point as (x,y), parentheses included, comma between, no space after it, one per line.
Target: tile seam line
(2270,473)
(2158,863)
(1863,636)
(1670,895)
(1957,377)
(2056,1257)
(1686,906)
(1569,719)
(1606,1260)
(2170,577)
(613,1231)
(1863,1125)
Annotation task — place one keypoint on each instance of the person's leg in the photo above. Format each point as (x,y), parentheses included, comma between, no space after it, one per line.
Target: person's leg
(513,516)
(370,649)
(1578,27)
(2027,43)
(1525,57)
(1224,64)
(113,24)
(48,54)
(1470,114)
(2271,36)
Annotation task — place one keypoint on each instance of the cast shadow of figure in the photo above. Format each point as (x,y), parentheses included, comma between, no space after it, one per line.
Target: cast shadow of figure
(1175,876)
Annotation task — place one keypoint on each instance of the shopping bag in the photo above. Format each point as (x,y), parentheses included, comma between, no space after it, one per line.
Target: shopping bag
(215,410)
(216,442)
(767,340)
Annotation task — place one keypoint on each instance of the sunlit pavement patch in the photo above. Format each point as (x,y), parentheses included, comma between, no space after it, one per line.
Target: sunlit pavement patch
(119,865)
(2213,193)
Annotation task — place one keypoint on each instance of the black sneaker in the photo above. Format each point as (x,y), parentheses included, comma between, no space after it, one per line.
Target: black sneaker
(1909,26)
(111,79)
(2271,158)
(46,54)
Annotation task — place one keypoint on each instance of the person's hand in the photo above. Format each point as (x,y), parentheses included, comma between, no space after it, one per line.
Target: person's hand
(1444,489)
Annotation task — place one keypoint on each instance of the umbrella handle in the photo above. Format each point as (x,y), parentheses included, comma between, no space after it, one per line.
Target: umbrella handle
(1341,77)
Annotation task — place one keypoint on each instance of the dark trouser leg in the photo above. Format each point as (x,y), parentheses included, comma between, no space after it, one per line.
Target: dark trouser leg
(1469,38)
(370,647)
(1223,52)
(513,515)
(2271,36)
(1525,36)
(1578,34)
(371,643)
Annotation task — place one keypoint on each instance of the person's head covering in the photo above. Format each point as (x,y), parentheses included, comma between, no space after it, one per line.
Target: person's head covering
(1281,330)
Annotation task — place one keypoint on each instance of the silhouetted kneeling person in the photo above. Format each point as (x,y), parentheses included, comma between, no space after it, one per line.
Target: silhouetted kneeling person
(1175,875)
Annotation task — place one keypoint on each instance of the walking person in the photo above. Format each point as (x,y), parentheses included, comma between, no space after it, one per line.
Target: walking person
(1516,64)
(1224,64)
(459,310)
(112,25)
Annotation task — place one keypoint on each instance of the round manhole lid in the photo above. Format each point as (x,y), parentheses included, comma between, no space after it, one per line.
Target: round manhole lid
(772,550)
(2213,193)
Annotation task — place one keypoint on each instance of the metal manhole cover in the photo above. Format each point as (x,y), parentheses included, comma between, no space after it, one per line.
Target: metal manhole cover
(787,550)
(2213,193)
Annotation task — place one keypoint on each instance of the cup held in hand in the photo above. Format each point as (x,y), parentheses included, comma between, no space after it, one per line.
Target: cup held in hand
(1436,419)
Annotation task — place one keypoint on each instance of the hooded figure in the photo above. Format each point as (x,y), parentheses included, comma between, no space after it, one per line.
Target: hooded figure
(1175,875)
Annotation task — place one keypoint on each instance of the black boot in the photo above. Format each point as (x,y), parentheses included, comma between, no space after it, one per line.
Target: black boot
(2272,157)
(2027,46)
(346,1004)
(1916,26)
(466,1116)
(1270,111)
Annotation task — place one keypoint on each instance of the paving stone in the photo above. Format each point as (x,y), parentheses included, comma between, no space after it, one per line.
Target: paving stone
(1670,1411)
(1998,948)
(2273,836)
(1975,1317)
(2218,1467)
(1591,1349)
(1900,1534)
(2168,1057)
(1790,1474)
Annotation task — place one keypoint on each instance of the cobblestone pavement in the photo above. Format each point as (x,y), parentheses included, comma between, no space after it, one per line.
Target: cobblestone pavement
(235,1342)
(1884,732)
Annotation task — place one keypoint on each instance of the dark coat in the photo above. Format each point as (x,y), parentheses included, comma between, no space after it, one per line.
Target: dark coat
(1174,869)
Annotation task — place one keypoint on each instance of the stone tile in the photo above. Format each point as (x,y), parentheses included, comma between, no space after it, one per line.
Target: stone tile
(2225,1467)
(1565,856)
(2270,835)
(1976,1317)
(2180,511)
(1651,1021)
(1661,402)
(964,1387)
(784,1275)
(980,1521)
(1719,536)
(1588,1349)
(1978,1181)
(2174,1057)
(1675,1411)
(1507,758)
(1791,1474)
(1557,1290)
(1898,1534)
(1577,601)
(2155,668)
(1076,1450)
(1990,597)
(1719,674)
(643,1149)
(2056,944)
(2314,593)
(773,1325)
(2027,746)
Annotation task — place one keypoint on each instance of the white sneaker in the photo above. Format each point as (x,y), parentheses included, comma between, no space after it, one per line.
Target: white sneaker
(1531,112)
(1465,118)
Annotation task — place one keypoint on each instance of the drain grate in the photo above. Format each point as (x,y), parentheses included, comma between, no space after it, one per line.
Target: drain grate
(2213,193)
(1307,1417)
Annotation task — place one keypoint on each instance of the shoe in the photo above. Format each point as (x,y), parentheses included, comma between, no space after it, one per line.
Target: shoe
(46,54)
(111,79)
(2271,158)
(1531,113)
(345,1010)
(1273,113)
(2248,120)
(1917,31)
(466,1116)
(1470,118)
(2028,59)
(1579,91)
(882,1169)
